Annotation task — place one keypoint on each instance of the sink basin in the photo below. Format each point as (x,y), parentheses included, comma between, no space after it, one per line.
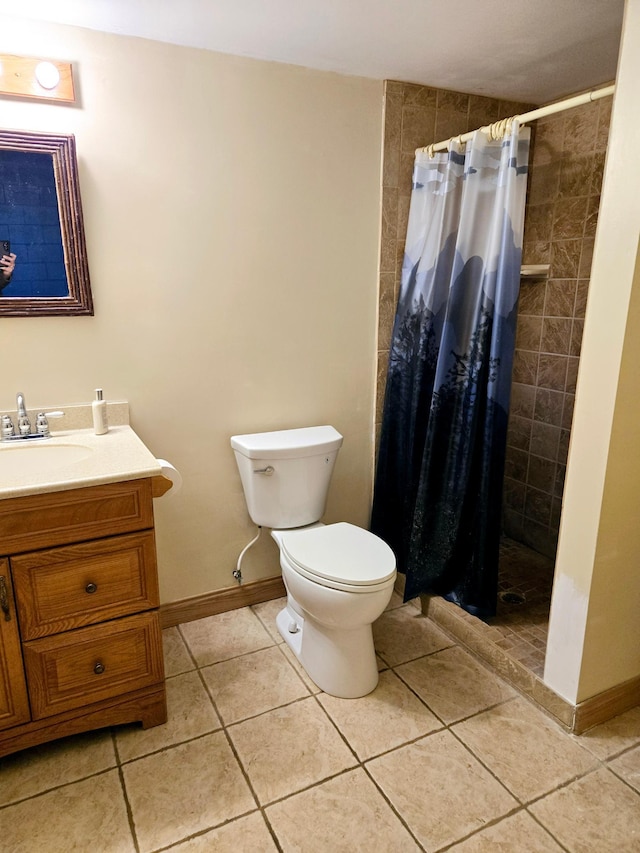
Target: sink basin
(35,458)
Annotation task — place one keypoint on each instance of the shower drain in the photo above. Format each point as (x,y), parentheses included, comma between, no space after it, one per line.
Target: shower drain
(512,597)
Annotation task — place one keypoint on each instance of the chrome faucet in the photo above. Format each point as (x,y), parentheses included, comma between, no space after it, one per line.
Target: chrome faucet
(8,431)
(22,406)
(24,424)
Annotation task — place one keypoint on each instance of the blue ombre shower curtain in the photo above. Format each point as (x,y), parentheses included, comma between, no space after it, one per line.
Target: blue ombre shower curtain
(438,487)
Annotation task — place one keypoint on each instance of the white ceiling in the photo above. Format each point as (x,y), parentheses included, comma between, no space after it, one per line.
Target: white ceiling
(530,50)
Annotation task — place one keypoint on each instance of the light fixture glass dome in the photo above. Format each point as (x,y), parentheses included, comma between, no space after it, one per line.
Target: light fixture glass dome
(47,75)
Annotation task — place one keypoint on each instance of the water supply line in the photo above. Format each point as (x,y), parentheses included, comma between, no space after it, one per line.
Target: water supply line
(237,572)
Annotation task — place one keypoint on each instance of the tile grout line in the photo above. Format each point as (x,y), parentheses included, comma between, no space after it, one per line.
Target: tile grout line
(130,818)
(243,770)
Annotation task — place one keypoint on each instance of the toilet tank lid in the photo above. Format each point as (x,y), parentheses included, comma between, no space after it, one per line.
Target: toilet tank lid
(287,443)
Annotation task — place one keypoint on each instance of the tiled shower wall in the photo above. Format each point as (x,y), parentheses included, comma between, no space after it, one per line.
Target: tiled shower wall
(560,222)
(562,209)
(415,116)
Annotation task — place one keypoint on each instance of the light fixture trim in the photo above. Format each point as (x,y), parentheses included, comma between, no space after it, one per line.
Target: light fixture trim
(36,77)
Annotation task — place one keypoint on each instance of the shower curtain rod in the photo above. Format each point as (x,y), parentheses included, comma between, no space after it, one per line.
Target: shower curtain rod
(524,118)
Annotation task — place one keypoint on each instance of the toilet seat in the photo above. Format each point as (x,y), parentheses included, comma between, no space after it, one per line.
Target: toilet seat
(340,556)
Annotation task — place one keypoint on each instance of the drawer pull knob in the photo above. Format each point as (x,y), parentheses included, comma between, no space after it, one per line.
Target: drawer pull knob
(98,668)
(90,588)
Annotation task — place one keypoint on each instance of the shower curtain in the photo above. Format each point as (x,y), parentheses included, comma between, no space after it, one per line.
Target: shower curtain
(438,487)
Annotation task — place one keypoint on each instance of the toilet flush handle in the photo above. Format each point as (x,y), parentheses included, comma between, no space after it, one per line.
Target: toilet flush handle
(268,471)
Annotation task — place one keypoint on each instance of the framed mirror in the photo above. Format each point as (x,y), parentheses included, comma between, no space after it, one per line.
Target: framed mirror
(41,224)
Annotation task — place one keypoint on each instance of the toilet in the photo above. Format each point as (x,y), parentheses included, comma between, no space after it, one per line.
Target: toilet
(339,577)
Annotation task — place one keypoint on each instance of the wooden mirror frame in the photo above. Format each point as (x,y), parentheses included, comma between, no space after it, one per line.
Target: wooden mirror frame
(62,149)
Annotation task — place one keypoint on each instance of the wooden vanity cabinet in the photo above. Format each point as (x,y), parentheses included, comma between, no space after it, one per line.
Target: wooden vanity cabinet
(14,705)
(80,639)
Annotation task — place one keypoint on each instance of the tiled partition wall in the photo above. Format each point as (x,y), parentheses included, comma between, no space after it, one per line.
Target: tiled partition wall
(562,208)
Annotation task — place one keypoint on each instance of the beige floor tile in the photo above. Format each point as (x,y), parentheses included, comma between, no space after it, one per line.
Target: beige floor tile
(613,736)
(343,814)
(224,636)
(190,713)
(295,663)
(248,833)
(526,750)
(252,684)
(440,789)
(403,634)
(597,812)
(518,833)
(176,656)
(453,684)
(185,789)
(627,766)
(387,718)
(266,612)
(35,770)
(289,748)
(90,814)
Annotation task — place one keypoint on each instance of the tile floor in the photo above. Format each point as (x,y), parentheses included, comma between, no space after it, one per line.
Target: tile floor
(524,624)
(443,755)
(513,642)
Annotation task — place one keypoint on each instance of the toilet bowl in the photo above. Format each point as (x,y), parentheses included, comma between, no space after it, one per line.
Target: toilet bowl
(339,579)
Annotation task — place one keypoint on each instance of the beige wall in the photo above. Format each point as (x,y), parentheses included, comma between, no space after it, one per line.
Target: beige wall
(232,213)
(594,630)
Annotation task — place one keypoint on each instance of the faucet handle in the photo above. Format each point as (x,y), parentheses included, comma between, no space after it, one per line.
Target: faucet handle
(42,422)
(7,429)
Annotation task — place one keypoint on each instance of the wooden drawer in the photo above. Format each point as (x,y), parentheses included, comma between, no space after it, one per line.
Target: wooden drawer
(63,588)
(75,515)
(92,664)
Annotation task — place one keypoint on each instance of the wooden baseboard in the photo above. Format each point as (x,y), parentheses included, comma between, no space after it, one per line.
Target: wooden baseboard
(604,706)
(220,600)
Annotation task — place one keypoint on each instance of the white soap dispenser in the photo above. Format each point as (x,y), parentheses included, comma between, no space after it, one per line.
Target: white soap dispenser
(99,411)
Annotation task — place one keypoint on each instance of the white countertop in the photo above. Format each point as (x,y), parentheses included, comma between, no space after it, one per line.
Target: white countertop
(85,459)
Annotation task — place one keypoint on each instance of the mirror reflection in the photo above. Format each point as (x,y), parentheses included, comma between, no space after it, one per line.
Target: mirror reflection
(43,263)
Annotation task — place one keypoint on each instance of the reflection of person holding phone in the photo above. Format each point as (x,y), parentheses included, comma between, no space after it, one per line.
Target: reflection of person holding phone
(7,266)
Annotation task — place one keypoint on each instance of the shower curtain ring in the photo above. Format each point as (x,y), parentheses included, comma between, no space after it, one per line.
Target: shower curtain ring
(430,151)
(498,129)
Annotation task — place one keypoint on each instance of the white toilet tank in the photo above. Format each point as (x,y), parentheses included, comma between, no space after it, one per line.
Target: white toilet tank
(286,474)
